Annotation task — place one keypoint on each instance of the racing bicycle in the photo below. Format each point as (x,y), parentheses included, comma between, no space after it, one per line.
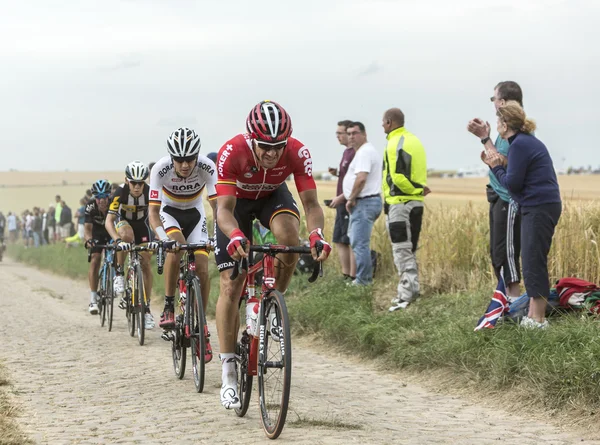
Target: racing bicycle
(106,294)
(267,352)
(190,324)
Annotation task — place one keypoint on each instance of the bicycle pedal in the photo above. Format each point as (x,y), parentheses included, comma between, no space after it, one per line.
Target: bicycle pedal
(167,336)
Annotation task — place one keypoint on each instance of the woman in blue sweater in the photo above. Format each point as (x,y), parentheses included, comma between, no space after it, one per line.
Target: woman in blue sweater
(531,181)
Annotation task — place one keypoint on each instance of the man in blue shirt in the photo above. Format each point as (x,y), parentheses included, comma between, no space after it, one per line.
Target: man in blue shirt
(504,215)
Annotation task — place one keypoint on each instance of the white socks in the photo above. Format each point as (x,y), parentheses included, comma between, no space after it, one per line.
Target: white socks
(228,374)
(94,297)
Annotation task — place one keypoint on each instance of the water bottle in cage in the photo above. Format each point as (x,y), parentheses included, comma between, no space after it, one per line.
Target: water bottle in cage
(252,306)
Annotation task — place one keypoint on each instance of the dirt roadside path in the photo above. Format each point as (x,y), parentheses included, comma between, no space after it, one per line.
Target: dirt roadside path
(79,384)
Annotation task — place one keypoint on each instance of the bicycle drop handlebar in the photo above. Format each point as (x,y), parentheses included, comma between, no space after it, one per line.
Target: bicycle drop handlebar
(273,249)
(160,252)
(116,248)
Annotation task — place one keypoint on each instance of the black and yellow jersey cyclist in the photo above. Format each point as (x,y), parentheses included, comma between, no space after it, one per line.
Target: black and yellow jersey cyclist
(127,223)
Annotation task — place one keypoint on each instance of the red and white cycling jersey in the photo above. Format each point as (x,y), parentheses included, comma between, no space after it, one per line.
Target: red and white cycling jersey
(240,175)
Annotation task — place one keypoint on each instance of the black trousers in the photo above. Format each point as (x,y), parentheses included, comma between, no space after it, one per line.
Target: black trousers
(537,229)
(505,238)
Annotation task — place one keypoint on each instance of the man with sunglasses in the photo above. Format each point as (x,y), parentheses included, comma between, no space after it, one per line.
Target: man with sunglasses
(253,168)
(95,233)
(504,214)
(127,223)
(177,212)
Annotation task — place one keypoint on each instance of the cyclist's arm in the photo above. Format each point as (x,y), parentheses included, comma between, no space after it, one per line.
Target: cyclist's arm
(213,205)
(156,223)
(314,213)
(225,218)
(111,218)
(87,231)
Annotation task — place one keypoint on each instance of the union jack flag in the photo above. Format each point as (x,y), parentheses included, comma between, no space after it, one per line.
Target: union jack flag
(497,307)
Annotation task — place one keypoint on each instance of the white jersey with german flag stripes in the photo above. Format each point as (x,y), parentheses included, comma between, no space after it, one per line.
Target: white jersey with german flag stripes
(167,188)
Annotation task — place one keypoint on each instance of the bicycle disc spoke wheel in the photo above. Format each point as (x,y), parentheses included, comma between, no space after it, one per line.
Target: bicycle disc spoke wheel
(140,308)
(274,363)
(197,340)
(178,352)
(244,379)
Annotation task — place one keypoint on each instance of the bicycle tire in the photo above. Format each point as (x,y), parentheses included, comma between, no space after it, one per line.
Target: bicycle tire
(244,379)
(273,420)
(131,304)
(109,300)
(197,341)
(178,351)
(140,308)
(101,293)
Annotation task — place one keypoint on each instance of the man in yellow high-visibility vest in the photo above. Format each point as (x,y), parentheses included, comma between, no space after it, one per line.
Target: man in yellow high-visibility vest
(404,188)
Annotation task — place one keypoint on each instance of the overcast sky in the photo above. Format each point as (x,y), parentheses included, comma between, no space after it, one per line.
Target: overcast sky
(91,85)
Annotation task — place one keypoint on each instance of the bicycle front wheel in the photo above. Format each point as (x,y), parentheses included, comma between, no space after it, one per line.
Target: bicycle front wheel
(197,340)
(103,283)
(274,363)
(244,378)
(139,308)
(109,300)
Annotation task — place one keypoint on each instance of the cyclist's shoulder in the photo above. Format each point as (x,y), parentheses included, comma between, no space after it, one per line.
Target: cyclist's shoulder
(240,141)
(162,167)
(91,206)
(206,165)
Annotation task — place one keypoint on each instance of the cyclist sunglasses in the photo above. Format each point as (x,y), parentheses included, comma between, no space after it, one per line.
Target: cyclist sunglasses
(136,183)
(188,159)
(267,146)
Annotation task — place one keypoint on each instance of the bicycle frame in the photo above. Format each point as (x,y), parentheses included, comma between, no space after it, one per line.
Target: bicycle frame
(267,265)
(189,272)
(134,260)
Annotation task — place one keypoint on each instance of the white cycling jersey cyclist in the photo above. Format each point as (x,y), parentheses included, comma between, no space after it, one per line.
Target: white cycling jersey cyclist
(177,212)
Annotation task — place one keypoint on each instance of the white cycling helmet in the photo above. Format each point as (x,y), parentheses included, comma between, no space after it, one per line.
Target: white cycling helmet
(136,171)
(183,142)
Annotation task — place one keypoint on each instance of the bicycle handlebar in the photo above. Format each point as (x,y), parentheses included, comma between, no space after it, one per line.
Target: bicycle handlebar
(160,252)
(272,249)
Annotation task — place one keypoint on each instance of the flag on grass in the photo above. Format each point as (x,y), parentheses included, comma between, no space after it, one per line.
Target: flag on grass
(497,307)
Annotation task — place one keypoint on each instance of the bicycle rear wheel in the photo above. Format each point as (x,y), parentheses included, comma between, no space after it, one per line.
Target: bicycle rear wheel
(140,304)
(274,363)
(197,339)
(244,379)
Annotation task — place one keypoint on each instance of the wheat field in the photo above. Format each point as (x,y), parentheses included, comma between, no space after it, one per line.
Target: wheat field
(453,252)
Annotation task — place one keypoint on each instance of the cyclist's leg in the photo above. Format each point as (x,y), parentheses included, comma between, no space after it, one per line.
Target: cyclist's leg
(280,214)
(94,269)
(125,232)
(228,309)
(141,236)
(199,234)
(171,219)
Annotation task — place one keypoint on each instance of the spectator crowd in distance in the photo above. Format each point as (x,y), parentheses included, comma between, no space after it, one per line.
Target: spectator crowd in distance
(38,226)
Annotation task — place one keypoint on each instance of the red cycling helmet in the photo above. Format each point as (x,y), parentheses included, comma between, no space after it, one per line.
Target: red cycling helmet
(269,122)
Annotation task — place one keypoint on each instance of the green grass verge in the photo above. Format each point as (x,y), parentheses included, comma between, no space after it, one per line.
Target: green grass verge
(72,262)
(558,369)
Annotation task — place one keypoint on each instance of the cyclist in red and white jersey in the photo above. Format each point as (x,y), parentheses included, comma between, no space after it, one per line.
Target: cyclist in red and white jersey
(252,171)
(177,212)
